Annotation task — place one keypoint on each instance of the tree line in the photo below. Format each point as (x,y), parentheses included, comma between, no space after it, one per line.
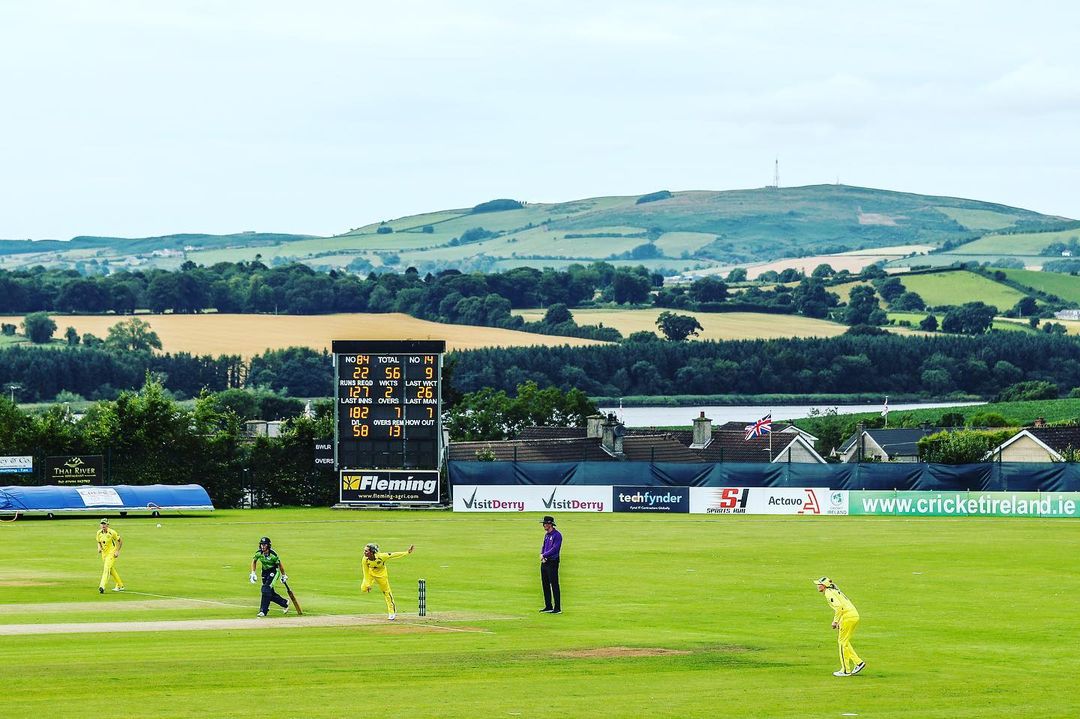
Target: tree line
(146,437)
(858,362)
(938,365)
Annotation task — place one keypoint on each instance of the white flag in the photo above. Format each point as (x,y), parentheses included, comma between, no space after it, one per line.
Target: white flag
(885,409)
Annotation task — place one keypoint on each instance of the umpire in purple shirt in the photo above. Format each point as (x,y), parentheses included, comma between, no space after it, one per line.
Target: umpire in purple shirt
(549,566)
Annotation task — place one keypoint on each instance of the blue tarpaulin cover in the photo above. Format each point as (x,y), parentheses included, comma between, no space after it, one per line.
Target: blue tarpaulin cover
(118,498)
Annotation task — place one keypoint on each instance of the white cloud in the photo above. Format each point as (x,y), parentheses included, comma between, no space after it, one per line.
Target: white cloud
(130,117)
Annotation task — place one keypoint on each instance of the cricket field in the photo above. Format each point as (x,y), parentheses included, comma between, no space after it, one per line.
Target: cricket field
(663,616)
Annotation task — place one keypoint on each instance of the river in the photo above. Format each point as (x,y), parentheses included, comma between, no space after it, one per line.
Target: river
(683,416)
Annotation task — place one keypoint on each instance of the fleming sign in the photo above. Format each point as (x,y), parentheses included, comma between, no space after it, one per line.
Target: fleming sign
(398,486)
(78,469)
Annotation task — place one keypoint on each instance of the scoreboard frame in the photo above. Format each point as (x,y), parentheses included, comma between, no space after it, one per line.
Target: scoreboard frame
(388,414)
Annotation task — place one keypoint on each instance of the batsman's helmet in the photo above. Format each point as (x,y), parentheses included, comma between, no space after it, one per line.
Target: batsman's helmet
(826,581)
(265,540)
(373,547)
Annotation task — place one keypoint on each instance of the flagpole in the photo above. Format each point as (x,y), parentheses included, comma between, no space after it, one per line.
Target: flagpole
(770,437)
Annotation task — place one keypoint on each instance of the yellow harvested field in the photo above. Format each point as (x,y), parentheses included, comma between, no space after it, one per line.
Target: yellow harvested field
(716,325)
(853,261)
(249,335)
(1072,327)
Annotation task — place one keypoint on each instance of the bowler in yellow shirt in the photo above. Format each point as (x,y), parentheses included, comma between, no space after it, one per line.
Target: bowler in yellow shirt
(845,619)
(374,564)
(108,546)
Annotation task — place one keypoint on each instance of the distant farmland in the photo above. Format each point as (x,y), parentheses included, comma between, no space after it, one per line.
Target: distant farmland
(717,325)
(956,288)
(1067,287)
(249,335)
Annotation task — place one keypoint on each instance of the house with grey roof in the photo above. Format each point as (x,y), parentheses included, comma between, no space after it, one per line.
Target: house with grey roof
(607,439)
(1038,443)
(884,445)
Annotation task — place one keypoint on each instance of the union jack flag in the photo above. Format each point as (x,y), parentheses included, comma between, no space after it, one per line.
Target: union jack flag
(762,426)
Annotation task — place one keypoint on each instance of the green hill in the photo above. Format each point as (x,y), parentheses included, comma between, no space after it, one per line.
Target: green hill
(666,231)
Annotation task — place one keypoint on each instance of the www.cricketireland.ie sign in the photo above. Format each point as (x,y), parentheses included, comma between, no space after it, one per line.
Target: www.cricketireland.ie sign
(964,504)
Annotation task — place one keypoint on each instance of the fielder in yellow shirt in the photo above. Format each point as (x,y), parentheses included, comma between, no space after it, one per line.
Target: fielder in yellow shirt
(845,619)
(108,546)
(374,564)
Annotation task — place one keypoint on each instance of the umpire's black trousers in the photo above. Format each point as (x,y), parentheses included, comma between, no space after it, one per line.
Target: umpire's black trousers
(549,579)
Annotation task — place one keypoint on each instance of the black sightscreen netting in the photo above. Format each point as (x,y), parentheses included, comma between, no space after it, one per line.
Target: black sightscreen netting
(987,477)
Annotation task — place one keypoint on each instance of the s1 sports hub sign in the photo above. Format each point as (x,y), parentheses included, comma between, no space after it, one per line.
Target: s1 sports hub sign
(766,500)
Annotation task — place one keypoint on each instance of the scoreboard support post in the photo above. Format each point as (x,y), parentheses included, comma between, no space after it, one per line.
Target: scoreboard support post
(388,446)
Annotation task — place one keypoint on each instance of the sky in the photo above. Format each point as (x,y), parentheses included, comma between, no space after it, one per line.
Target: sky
(132,118)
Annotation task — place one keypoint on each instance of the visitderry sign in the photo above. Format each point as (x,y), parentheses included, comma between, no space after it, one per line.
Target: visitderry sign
(77,469)
(16,465)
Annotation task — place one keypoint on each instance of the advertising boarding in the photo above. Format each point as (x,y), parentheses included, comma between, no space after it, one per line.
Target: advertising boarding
(965,504)
(650,499)
(16,465)
(75,470)
(766,500)
(531,498)
(390,486)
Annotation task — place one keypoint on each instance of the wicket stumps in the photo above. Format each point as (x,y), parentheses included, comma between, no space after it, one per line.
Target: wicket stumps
(422,603)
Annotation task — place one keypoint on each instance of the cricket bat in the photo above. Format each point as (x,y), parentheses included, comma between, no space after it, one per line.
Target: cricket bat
(292,598)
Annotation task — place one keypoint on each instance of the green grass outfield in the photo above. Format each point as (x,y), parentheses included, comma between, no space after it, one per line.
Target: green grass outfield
(960,618)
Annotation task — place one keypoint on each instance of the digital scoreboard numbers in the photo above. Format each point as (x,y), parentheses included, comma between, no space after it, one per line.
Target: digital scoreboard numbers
(389,404)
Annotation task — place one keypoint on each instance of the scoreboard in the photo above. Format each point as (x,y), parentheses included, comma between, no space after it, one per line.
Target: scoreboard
(388,404)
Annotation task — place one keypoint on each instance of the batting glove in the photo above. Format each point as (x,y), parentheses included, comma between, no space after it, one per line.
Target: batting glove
(253,578)
(284,577)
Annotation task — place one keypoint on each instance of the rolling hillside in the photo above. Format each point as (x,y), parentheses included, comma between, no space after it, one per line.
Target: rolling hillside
(668,232)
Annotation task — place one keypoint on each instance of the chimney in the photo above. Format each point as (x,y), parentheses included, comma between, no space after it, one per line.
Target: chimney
(1040,422)
(702,432)
(611,436)
(860,440)
(593,424)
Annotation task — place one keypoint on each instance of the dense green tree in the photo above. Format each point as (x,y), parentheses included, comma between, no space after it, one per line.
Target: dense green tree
(1029,390)
(38,327)
(928,324)
(629,287)
(557,314)
(862,307)
(959,446)
(678,328)
(1025,307)
(133,335)
(890,288)
(708,289)
(908,302)
(971,318)
(490,414)
(811,299)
